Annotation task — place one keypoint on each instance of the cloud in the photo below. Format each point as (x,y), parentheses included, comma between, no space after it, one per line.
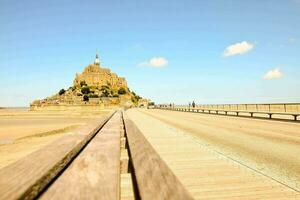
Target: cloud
(238,48)
(156,62)
(296,1)
(273,74)
(292,40)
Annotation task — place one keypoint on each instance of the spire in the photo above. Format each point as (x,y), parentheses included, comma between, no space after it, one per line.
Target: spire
(97,60)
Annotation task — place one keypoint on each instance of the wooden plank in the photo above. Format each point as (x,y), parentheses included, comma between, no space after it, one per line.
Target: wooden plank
(154,178)
(126,187)
(26,178)
(95,172)
(205,173)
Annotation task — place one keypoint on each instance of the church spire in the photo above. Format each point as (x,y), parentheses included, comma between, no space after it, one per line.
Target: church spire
(97,60)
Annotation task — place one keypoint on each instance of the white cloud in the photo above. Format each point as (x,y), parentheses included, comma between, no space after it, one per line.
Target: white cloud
(296,1)
(292,40)
(272,74)
(156,62)
(238,48)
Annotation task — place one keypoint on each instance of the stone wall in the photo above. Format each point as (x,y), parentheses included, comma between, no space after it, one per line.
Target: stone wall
(94,75)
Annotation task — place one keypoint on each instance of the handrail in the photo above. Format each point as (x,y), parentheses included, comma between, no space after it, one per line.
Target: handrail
(154,178)
(29,176)
(226,112)
(270,107)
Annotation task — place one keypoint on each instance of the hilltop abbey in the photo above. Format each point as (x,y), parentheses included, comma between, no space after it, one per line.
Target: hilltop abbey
(95,76)
(96,87)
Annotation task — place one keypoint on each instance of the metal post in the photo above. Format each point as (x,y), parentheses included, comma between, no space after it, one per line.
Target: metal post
(284,107)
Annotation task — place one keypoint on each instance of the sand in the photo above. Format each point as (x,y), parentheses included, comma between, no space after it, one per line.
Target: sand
(23,132)
(270,147)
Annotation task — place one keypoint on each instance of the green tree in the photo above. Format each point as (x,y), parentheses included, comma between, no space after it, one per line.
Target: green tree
(85,90)
(121,91)
(61,92)
(82,83)
(151,104)
(86,98)
(93,95)
(104,87)
(105,93)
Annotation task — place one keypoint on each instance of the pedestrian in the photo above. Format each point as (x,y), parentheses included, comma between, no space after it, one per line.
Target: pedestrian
(193,104)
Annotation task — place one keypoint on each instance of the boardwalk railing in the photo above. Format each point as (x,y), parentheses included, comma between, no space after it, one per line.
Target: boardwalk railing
(87,165)
(270,107)
(154,178)
(244,113)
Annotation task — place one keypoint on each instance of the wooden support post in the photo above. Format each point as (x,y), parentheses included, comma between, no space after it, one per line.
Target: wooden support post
(270,115)
(285,108)
(295,117)
(123,143)
(124,161)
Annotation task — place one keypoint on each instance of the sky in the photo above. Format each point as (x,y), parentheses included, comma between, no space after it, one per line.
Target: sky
(209,51)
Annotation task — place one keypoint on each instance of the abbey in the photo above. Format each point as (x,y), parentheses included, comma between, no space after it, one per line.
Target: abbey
(96,87)
(95,75)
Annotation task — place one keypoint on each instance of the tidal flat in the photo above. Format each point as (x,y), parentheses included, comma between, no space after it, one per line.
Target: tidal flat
(23,132)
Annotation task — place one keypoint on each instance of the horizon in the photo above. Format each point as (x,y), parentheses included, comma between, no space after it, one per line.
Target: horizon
(210,52)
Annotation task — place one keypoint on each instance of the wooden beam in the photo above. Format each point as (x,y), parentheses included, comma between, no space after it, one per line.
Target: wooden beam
(26,178)
(154,178)
(95,173)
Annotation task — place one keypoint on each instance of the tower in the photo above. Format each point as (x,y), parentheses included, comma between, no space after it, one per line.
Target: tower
(97,60)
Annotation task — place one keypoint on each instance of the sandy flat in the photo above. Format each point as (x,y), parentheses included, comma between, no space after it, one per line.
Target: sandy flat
(269,147)
(23,132)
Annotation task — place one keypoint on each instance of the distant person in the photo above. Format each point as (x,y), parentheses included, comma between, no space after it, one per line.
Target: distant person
(193,104)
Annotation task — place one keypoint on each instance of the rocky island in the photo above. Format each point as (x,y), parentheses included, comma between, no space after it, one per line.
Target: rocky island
(95,88)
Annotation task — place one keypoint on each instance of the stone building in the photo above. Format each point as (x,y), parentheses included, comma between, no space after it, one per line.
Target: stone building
(95,75)
(96,87)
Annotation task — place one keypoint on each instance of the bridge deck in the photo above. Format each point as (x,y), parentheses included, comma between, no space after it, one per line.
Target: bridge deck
(207,174)
(107,159)
(134,156)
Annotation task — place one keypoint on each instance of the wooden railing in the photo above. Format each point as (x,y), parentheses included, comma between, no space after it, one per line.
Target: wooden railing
(250,113)
(87,165)
(270,107)
(154,178)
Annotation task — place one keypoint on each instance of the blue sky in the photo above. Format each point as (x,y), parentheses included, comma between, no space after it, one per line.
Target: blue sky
(217,51)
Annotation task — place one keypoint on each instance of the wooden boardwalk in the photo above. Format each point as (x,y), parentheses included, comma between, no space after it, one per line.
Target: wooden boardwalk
(129,155)
(107,159)
(207,174)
